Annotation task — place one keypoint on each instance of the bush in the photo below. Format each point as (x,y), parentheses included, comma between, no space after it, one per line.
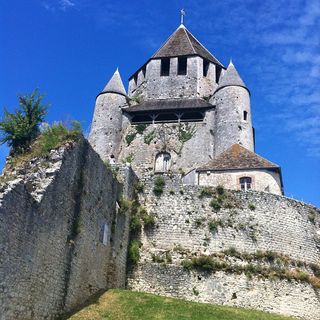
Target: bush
(129,158)
(214,224)
(206,192)
(149,137)
(19,129)
(187,264)
(215,205)
(315,268)
(148,219)
(135,224)
(130,137)
(139,187)
(203,262)
(134,252)
(55,136)
(252,207)
(159,184)
(141,127)
(232,252)
(220,190)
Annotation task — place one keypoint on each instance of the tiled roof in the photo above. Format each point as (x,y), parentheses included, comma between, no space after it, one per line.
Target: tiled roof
(183,43)
(169,104)
(115,85)
(231,77)
(238,157)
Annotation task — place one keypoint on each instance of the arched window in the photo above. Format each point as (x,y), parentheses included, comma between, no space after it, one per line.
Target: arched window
(163,162)
(245,183)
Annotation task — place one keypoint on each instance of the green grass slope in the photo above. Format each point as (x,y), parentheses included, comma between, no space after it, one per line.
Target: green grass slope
(129,305)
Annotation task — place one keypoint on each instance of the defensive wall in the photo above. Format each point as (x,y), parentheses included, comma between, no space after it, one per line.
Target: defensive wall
(263,248)
(63,237)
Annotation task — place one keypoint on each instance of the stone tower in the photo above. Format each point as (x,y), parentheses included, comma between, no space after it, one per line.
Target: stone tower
(105,134)
(233,116)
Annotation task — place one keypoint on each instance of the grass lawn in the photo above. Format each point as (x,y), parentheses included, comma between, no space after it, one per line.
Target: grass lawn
(129,305)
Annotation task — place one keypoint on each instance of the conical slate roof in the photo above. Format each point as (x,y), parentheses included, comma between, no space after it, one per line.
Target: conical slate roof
(115,85)
(231,77)
(238,157)
(183,43)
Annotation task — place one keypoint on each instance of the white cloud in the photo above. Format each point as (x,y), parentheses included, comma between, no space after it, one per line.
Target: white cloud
(65,4)
(54,5)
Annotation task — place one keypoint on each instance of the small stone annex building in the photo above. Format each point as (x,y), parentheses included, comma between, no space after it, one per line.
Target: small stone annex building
(184,113)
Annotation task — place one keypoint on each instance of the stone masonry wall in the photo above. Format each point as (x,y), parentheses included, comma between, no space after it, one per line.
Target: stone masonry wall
(186,154)
(187,226)
(262,179)
(52,257)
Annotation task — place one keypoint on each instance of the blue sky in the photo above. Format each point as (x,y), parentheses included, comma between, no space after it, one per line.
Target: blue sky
(70,48)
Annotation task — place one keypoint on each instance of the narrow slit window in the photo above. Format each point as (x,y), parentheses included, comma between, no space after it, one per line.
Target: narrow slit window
(182,66)
(165,67)
(104,232)
(144,71)
(218,73)
(245,115)
(135,77)
(206,64)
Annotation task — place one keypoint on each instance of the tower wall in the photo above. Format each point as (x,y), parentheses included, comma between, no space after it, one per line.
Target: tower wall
(173,86)
(207,84)
(231,126)
(105,135)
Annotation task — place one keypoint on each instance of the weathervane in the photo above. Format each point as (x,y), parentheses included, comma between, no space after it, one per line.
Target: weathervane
(182,14)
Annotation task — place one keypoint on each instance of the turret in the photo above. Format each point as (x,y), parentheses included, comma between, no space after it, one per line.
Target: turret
(105,134)
(233,115)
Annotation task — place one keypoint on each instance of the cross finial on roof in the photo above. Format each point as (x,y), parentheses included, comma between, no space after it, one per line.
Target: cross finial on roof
(182,15)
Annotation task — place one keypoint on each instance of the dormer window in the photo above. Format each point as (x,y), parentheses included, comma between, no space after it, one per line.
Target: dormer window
(206,64)
(245,183)
(182,66)
(165,67)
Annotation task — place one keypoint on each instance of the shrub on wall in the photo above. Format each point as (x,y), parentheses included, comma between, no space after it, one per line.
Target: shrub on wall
(141,127)
(206,192)
(149,137)
(130,137)
(134,252)
(159,184)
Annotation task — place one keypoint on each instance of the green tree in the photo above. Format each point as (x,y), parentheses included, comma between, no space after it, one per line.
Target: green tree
(20,128)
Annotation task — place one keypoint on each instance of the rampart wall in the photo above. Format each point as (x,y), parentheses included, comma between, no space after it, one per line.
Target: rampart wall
(61,234)
(259,243)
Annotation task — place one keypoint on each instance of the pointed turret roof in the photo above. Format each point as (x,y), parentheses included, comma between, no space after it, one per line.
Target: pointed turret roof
(231,77)
(115,85)
(238,157)
(183,43)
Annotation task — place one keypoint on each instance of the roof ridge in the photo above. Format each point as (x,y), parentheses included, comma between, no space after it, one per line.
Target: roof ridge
(185,30)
